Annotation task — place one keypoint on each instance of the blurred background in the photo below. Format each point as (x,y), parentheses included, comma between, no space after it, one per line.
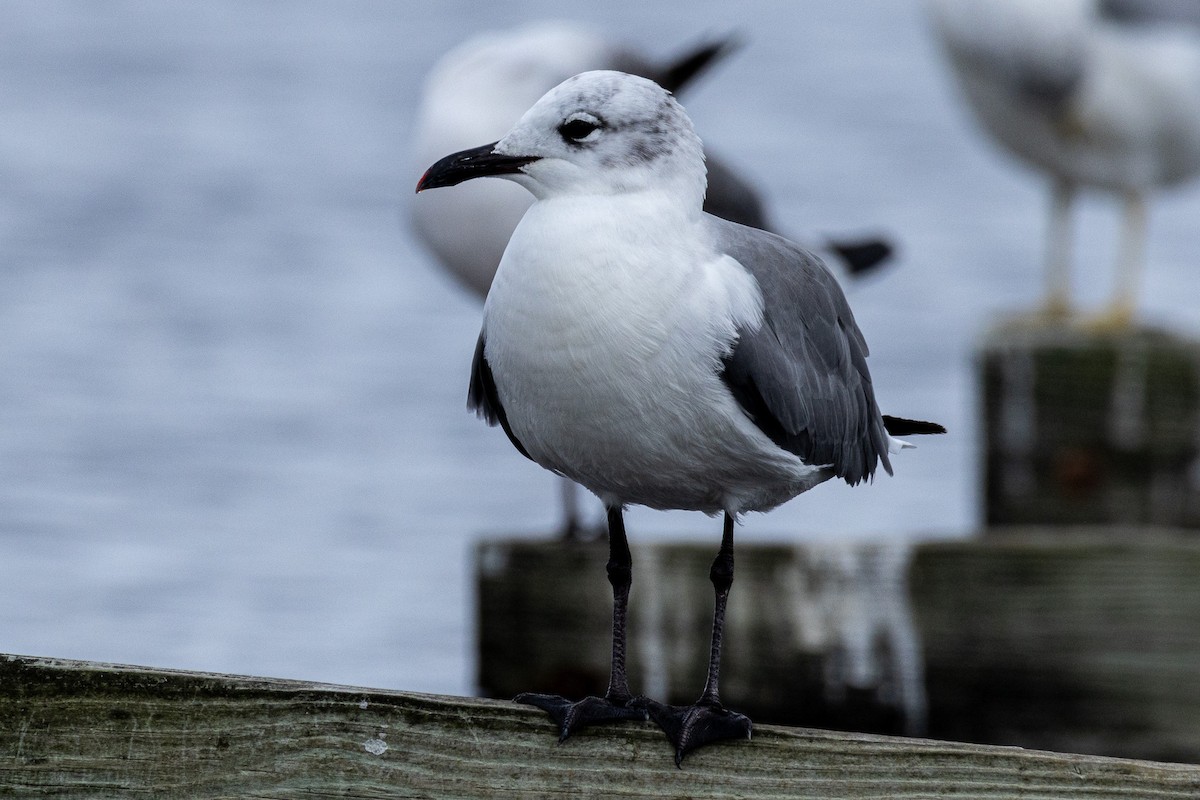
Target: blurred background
(233,433)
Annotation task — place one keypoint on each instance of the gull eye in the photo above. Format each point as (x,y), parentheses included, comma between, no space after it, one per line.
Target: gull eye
(578,129)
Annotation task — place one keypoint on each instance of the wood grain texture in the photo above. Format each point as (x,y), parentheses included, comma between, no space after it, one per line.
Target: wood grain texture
(76,729)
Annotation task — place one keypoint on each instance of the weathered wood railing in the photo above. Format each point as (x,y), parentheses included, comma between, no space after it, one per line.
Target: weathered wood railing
(79,729)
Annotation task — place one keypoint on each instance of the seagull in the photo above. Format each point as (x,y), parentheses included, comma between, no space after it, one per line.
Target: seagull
(1103,94)
(479,89)
(657,354)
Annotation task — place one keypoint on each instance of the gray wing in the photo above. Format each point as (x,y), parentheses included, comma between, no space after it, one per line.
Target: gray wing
(1040,60)
(1186,12)
(802,376)
(483,399)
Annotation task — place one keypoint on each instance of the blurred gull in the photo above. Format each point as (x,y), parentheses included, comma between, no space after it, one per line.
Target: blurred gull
(1099,93)
(657,354)
(478,90)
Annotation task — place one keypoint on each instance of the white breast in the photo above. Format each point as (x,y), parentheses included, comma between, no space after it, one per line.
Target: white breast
(605,334)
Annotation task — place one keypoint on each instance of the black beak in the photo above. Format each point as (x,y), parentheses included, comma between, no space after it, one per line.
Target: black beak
(478,162)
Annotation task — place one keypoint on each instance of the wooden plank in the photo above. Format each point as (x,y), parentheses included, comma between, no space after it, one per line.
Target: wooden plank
(1082,640)
(77,730)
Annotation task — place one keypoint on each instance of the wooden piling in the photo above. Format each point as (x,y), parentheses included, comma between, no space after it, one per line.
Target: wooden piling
(75,729)
(821,635)
(1080,640)
(1084,428)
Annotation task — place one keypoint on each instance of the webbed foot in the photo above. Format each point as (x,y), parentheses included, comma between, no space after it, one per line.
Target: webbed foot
(690,727)
(573,716)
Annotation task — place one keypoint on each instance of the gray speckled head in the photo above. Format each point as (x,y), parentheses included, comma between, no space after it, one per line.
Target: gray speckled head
(607,132)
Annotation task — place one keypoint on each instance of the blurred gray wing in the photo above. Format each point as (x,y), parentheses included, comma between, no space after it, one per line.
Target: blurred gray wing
(802,376)
(1138,12)
(1041,61)
(732,198)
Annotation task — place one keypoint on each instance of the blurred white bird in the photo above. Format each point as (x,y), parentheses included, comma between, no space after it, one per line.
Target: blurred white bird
(477,92)
(1097,93)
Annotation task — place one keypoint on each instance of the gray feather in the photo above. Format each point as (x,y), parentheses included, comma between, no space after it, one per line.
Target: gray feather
(802,376)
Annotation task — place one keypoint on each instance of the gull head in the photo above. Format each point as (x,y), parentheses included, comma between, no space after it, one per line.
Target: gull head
(597,133)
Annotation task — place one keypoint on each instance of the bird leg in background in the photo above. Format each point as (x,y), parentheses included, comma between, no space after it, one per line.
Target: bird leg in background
(575,528)
(614,706)
(706,720)
(1058,252)
(1130,258)
(572,527)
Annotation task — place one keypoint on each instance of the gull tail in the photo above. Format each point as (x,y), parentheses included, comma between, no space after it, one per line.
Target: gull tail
(898,426)
(861,256)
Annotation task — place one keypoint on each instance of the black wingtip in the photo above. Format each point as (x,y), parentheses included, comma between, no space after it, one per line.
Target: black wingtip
(685,69)
(898,426)
(863,255)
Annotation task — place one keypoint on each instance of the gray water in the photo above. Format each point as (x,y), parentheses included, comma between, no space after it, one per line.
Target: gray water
(232,424)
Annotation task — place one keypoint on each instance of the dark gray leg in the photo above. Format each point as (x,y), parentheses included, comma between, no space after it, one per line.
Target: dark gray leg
(614,706)
(620,577)
(706,720)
